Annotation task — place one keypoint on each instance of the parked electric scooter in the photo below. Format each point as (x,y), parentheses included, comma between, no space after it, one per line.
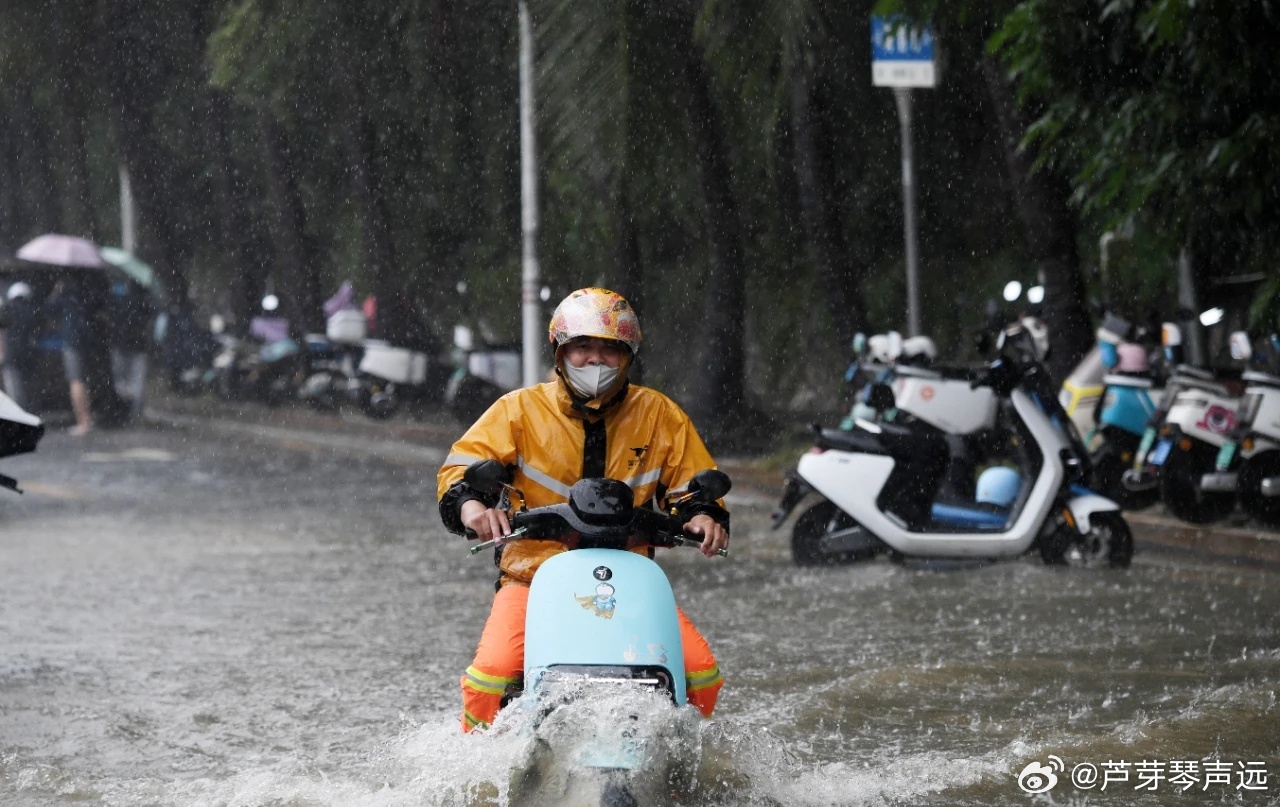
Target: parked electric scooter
(20,432)
(910,388)
(879,481)
(333,377)
(600,619)
(269,366)
(1122,413)
(481,375)
(1183,437)
(1248,463)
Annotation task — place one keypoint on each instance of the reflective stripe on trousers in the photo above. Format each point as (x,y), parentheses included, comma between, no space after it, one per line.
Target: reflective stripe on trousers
(499,661)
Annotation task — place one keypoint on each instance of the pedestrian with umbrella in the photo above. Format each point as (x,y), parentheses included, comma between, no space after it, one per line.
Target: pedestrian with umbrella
(79,309)
(132,314)
(67,305)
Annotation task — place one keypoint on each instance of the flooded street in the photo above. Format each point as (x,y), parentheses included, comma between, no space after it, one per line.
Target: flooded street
(216,619)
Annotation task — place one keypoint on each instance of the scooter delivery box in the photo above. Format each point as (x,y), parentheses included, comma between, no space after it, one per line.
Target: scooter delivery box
(347,327)
(398,364)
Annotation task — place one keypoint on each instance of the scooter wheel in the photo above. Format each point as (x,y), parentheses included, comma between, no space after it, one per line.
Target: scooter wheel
(1255,469)
(380,404)
(1180,486)
(1108,541)
(811,526)
(1116,539)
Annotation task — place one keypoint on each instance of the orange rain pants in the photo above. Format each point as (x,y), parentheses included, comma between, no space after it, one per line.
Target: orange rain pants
(499,661)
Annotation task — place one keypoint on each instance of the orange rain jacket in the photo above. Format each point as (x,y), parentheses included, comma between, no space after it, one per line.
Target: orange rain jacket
(643,438)
(639,436)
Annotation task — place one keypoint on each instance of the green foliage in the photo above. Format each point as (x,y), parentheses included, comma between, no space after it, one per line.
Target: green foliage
(1165,112)
(1162,111)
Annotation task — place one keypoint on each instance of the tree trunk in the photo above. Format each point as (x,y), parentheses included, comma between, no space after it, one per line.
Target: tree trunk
(626,256)
(126,45)
(395,311)
(35,189)
(71,33)
(240,233)
(838,277)
(295,253)
(1041,201)
(719,394)
(10,227)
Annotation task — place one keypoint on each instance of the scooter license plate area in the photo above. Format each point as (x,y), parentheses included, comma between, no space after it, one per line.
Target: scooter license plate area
(1226,454)
(1160,454)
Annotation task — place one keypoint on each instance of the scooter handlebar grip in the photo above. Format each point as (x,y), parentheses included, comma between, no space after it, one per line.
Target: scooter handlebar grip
(695,541)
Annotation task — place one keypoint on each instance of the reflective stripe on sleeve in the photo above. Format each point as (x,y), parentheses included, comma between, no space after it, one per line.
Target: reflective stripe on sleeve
(701,679)
(488,684)
(549,482)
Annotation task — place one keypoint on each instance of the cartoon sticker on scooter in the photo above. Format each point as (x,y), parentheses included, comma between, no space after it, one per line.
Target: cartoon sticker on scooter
(602,602)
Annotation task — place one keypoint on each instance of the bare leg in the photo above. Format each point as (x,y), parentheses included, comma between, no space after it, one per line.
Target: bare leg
(80,406)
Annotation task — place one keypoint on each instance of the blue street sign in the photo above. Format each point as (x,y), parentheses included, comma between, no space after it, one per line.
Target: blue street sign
(901,55)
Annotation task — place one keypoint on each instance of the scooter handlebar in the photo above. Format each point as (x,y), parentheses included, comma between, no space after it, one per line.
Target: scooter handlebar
(546,523)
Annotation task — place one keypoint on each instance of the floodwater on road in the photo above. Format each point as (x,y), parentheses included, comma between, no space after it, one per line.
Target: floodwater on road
(209,619)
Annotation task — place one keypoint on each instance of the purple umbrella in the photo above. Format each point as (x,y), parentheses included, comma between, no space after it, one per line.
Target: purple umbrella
(62,250)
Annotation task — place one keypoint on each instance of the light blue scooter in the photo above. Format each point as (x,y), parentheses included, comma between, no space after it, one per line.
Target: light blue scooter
(602,619)
(1124,412)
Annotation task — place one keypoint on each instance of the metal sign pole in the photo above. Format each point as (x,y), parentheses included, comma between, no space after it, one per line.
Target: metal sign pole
(530,314)
(903,96)
(902,58)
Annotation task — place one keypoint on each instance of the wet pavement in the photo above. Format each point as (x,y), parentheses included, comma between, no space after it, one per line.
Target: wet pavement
(261,610)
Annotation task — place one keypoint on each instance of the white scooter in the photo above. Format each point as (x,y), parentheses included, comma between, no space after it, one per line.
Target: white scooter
(20,432)
(1190,426)
(910,388)
(878,484)
(1248,463)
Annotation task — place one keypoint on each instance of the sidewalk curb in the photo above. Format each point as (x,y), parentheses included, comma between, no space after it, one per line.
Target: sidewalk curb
(1213,540)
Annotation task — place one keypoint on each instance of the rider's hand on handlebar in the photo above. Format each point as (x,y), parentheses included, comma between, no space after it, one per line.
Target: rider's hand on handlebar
(484,522)
(714,536)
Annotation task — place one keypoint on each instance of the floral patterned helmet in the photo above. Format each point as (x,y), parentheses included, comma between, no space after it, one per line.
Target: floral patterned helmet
(595,312)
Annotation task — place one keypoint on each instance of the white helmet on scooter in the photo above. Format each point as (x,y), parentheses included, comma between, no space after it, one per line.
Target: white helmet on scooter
(998,485)
(885,348)
(919,350)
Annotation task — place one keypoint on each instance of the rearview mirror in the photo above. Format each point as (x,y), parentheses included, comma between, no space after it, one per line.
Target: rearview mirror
(710,485)
(487,476)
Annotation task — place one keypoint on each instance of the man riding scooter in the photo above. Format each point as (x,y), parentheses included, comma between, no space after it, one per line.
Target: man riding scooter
(590,422)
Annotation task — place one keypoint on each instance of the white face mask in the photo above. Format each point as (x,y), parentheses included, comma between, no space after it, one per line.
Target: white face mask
(592,379)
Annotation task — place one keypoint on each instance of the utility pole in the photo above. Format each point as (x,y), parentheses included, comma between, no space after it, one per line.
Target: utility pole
(530,313)
(128,230)
(903,96)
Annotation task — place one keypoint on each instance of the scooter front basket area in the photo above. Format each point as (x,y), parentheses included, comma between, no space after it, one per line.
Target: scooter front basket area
(600,609)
